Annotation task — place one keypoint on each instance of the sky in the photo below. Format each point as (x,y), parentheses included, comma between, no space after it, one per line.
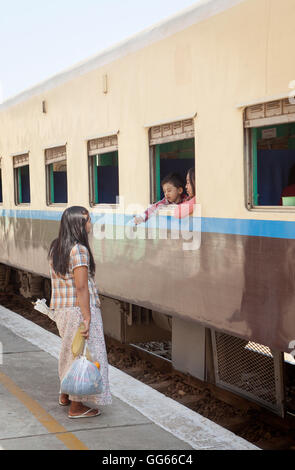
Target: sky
(39,38)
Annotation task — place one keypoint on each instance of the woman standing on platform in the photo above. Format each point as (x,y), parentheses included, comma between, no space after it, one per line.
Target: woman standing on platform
(74,300)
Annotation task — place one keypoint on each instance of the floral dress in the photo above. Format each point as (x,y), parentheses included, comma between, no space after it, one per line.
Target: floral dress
(68,317)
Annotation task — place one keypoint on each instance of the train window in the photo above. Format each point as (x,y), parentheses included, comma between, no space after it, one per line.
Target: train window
(172,150)
(270,133)
(56,175)
(103,170)
(22,179)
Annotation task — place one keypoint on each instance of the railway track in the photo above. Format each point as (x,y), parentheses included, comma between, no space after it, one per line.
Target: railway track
(150,363)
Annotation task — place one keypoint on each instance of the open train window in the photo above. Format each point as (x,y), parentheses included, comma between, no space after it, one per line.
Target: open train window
(172,151)
(56,175)
(21,179)
(103,170)
(270,134)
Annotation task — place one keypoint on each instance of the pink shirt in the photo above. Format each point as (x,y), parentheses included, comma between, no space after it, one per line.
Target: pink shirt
(185,208)
(164,202)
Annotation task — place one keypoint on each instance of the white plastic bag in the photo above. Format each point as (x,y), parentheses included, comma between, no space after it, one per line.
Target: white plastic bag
(83,378)
(41,306)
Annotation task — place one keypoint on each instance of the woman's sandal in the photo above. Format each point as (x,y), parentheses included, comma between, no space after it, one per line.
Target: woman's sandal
(85,415)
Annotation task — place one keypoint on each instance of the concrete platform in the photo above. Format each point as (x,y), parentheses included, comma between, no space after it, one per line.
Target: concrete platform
(139,418)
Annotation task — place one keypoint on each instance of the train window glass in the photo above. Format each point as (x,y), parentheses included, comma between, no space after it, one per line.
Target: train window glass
(103,170)
(56,175)
(273,163)
(1,195)
(22,179)
(172,150)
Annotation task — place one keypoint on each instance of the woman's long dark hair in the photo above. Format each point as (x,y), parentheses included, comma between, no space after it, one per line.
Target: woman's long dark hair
(72,230)
(191,175)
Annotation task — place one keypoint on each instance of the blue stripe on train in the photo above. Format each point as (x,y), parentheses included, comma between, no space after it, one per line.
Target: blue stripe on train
(249,227)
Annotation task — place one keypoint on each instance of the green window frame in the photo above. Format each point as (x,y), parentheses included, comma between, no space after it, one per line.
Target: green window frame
(108,159)
(18,173)
(51,194)
(269,126)
(156,163)
(50,184)
(254,166)
(283,139)
(157,171)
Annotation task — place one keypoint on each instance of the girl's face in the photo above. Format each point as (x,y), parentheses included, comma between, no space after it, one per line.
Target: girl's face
(188,186)
(171,193)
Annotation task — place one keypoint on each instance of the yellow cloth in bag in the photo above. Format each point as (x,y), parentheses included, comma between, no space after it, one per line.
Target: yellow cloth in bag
(79,342)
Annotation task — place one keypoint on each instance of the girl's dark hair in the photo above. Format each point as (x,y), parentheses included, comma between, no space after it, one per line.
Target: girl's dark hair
(175,179)
(72,230)
(191,175)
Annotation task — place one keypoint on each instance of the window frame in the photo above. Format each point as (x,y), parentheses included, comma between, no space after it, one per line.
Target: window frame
(155,180)
(165,133)
(105,144)
(250,169)
(50,185)
(20,161)
(155,168)
(93,181)
(58,155)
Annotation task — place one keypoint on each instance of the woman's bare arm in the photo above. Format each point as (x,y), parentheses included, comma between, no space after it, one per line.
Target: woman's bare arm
(81,282)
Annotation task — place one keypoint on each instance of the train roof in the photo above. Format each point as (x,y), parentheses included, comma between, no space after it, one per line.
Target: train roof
(194,14)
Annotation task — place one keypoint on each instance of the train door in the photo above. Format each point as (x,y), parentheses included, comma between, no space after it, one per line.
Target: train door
(172,151)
